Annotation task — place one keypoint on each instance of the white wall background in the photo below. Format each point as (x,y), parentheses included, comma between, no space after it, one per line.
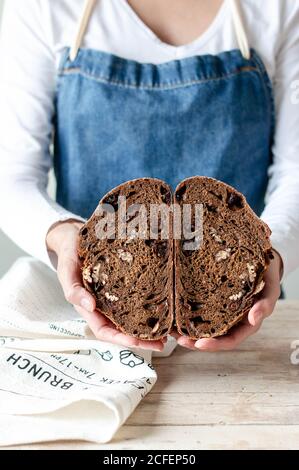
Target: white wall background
(9,251)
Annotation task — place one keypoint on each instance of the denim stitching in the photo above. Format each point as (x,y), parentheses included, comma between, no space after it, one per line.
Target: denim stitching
(103,79)
(268,88)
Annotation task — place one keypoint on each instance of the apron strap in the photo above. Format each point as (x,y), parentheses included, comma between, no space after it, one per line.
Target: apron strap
(83,23)
(237,20)
(240,29)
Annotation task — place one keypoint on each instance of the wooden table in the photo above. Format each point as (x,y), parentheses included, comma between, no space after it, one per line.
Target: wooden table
(246,399)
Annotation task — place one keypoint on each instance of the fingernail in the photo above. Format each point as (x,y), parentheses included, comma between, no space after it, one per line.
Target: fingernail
(258,316)
(201,344)
(86,304)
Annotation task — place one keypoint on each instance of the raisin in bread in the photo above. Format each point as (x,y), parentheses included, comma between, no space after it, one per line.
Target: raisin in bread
(131,278)
(215,286)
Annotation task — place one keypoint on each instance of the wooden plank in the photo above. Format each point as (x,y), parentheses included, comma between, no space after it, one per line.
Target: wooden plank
(190,437)
(220,408)
(197,379)
(279,355)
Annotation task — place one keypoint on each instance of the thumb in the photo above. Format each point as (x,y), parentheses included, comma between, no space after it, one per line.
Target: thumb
(264,306)
(69,275)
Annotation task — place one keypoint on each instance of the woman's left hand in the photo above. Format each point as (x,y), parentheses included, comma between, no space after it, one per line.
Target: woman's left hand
(262,309)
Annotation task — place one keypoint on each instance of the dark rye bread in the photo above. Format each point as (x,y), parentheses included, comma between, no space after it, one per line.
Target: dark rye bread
(215,286)
(131,279)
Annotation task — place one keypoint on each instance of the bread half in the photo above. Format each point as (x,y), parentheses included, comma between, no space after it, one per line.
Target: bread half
(216,285)
(131,278)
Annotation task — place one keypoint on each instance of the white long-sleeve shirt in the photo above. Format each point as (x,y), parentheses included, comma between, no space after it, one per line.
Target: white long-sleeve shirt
(34,32)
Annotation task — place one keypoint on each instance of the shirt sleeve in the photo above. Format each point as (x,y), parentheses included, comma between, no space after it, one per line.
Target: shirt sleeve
(27,88)
(282,202)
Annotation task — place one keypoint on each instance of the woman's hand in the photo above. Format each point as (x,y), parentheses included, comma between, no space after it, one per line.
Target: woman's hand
(62,239)
(262,309)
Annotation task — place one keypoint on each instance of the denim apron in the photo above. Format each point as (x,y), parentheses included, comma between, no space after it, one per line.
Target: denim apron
(119,119)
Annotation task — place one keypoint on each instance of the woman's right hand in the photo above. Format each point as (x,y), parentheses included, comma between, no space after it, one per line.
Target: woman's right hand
(62,239)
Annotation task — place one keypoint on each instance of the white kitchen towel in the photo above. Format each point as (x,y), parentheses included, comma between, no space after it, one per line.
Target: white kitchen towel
(56,380)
